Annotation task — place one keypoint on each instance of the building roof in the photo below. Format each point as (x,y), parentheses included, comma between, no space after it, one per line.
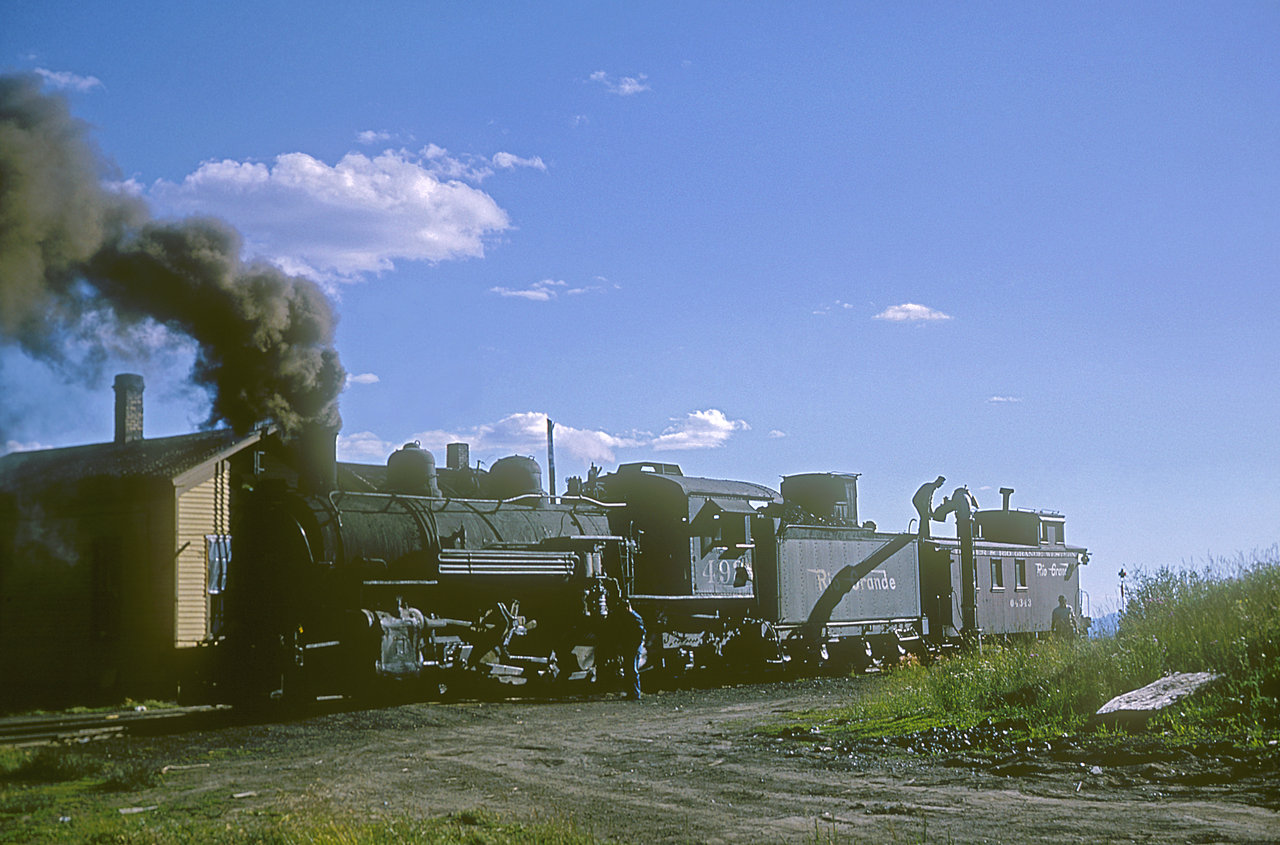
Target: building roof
(160,457)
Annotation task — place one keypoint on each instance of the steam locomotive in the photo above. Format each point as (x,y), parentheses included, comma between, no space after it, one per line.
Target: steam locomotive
(421,578)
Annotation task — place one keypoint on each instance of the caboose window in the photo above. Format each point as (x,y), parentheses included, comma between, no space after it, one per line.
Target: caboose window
(1019,574)
(997,573)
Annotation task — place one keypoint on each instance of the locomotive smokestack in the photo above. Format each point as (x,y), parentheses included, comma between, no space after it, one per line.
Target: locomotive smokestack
(128,388)
(316,448)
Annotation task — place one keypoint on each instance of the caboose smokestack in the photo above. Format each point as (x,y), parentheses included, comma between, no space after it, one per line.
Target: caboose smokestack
(128,388)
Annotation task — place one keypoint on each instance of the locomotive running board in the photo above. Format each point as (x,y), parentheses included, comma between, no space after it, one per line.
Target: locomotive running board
(844,581)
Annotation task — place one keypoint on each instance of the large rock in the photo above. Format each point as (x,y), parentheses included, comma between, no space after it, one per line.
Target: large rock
(1136,706)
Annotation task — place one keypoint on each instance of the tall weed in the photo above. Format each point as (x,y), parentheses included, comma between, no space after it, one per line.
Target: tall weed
(1224,619)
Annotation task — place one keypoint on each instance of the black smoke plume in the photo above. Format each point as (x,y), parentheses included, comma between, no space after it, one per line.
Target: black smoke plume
(82,263)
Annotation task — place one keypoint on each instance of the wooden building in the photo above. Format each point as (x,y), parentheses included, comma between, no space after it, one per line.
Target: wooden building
(112,557)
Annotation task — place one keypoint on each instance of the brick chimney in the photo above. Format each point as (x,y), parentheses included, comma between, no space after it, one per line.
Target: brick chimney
(128,407)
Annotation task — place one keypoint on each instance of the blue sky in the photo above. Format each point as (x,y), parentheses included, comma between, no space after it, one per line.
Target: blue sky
(1026,245)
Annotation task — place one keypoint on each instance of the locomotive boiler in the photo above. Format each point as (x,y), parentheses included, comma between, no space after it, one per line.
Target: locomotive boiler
(434,579)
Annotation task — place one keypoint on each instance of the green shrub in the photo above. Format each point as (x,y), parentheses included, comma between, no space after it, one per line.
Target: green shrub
(1224,619)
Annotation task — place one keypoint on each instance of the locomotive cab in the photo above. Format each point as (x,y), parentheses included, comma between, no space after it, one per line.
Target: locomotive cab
(694,536)
(696,545)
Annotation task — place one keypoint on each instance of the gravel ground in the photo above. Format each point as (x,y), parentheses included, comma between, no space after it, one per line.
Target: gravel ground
(688,766)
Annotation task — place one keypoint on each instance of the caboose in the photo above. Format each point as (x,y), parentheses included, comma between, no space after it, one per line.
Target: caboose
(1021,564)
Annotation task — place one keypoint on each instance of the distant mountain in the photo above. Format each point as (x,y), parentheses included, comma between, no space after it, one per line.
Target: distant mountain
(1105,626)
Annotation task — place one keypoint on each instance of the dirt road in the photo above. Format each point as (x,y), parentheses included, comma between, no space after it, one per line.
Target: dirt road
(687,766)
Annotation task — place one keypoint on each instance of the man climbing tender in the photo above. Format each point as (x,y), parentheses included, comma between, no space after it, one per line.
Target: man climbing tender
(923,500)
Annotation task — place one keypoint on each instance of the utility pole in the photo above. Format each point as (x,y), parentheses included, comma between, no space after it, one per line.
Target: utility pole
(551,458)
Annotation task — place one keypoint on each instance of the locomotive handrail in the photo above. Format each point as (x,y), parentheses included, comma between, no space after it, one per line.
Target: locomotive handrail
(588,499)
(592,501)
(695,597)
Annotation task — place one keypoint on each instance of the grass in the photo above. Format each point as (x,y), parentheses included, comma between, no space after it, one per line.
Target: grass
(165,825)
(60,795)
(60,764)
(103,795)
(1223,619)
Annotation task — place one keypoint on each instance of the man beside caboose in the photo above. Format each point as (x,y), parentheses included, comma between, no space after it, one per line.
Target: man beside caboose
(1063,622)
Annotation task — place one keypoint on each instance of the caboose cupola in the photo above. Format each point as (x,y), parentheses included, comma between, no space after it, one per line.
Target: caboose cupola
(1024,527)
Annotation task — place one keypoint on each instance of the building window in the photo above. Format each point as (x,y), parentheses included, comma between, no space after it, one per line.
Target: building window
(218,556)
(997,573)
(1019,574)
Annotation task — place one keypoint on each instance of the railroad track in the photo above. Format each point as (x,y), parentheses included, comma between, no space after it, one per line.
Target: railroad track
(85,727)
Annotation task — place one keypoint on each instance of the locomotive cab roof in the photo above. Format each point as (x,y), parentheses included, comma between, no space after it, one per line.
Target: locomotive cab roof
(649,467)
(667,488)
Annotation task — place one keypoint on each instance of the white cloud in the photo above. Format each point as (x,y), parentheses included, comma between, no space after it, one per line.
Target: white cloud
(362,378)
(363,447)
(624,86)
(370,137)
(526,433)
(23,446)
(699,430)
(543,291)
(838,304)
(631,85)
(341,222)
(473,168)
(777,434)
(507,161)
(998,400)
(67,81)
(910,312)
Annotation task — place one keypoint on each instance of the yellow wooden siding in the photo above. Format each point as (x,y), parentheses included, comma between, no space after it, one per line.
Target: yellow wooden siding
(191,597)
